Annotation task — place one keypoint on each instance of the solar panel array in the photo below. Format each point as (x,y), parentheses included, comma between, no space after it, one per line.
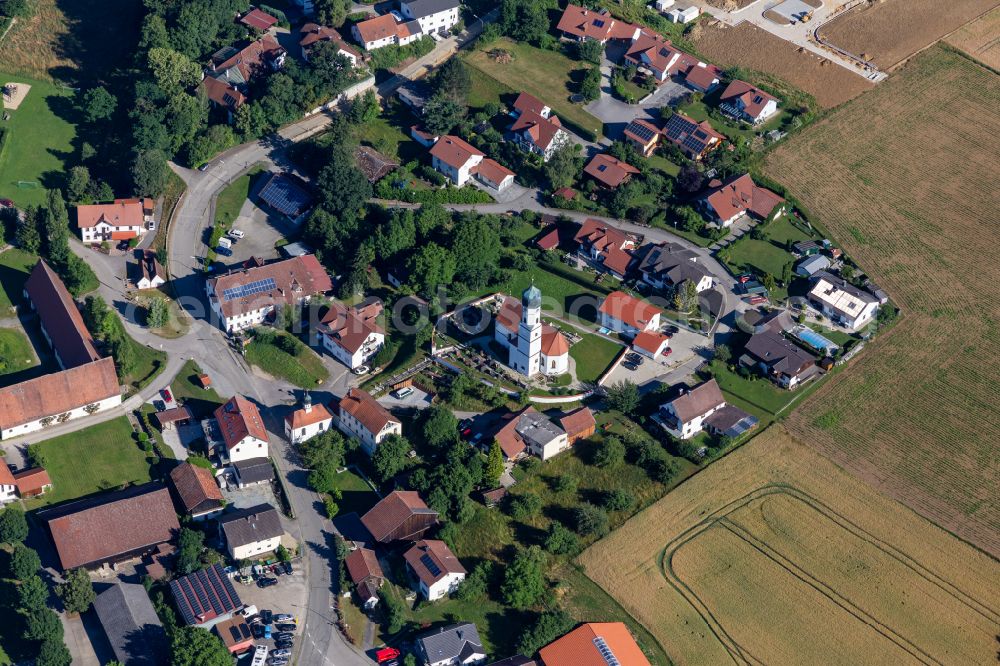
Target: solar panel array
(249,289)
(644,132)
(606,653)
(284,196)
(431,565)
(204,594)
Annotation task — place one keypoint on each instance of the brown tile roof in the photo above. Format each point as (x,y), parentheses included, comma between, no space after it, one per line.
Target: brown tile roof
(121,213)
(196,488)
(541,130)
(567,193)
(350,327)
(392,512)
(642,131)
(699,400)
(628,309)
(453,151)
(380,27)
(150,267)
(608,170)
(779,354)
(600,235)
(694,138)
(362,406)
(101,529)
(703,77)
(526,102)
(362,564)
(294,279)
(577,422)
(32,481)
(650,341)
(740,194)
(167,416)
(584,23)
(373,164)
(60,317)
(252,58)
(580,647)
(239,418)
(300,418)
(754,99)
(431,560)
(222,93)
(492,171)
(235,633)
(549,240)
(57,393)
(258,20)
(6,476)
(312,33)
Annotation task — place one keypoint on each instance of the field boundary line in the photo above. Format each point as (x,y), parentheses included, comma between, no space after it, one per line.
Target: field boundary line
(824,590)
(740,653)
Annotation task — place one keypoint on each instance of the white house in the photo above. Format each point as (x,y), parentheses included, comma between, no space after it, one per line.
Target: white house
(532,347)
(494,175)
(312,33)
(251,533)
(359,415)
(434,16)
(242,430)
(8,485)
(683,15)
(244,299)
(437,571)
(124,219)
(669,265)
(746,102)
(352,335)
(729,201)
(683,417)
(455,158)
(628,315)
(842,302)
(651,343)
(532,433)
(539,134)
(307,422)
(385,30)
(151,273)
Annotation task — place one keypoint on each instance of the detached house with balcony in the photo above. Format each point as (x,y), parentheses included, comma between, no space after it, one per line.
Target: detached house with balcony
(252,532)
(241,427)
(745,102)
(359,415)
(727,202)
(628,315)
(657,54)
(695,140)
(606,246)
(124,219)
(580,24)
(435,569)
(311,34)
(435,17)
(701,408)
(778,359)
(460,161)
(352,334)
(668,266)
(842,302)
(227,78)
(538,134)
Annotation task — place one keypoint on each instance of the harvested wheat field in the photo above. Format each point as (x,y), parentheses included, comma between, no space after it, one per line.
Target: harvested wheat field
(752,48)
(890,31)
(905,177)
(980,38)
(775,555)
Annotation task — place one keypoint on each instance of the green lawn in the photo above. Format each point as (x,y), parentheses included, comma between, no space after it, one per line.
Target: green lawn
(15,266)
(230,200)
(593,354)
(304,369)
(758,256)
(758,392)
(661,163)
(782,230)
(486,89)
(562,288)
(356,495)
(548,75)
(38,141)
(112,458)
(149,363)
(16,353)
(390,134)
(837,337)
(186,389)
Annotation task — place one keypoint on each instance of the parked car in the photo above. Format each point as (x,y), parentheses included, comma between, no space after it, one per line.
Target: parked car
(282,653)
(743,278)
(257,630)
(284,617)
(283,645)
(248,611)
(628,365)
(284,627)
(167,395)
(267,631)
(757,299)
(264,581)
(266,616)
(259,656)
(224,251)
(360,370)
(203,167)
(236,233)
(386,654)
(284,636)
(288,567)
(404,392)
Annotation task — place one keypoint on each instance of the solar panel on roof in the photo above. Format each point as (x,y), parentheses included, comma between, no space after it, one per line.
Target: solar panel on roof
(234,631)
(606,653)
(244,629)
(598,23)
(249,289)
(431,566)
(642,131)
(284,196)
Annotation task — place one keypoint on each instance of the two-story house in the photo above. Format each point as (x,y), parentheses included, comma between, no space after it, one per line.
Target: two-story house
(727,202)
(628,315)
(385,30)
(667,266)
(535,133)
(359,415)
(842,302)
(778,359)
(747,103)
(352,334)
(252,532)
(311,34)
(122,220)
(693,139)
(453,645)
(606,246)
(434,16)
(529,432)
(436,570)
(455,158)
(242,430)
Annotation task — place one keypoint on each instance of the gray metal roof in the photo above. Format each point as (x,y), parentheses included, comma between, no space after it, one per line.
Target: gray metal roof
(131,625)
(254,470)
(452,642)
(422,8)
(246,526)
(537,428)
(810,265)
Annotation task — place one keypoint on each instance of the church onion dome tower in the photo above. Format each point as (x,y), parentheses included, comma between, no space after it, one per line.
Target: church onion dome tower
(531,297)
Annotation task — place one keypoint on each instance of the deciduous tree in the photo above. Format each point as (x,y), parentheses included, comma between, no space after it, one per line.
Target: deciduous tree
(194,646)
(524,579)
(13,525)
(76,593)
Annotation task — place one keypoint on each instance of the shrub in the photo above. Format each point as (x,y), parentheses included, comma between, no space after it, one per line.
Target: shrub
(618,499)
(591,520)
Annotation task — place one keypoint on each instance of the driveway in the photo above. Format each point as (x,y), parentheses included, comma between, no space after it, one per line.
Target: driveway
(616,114)
(686,347)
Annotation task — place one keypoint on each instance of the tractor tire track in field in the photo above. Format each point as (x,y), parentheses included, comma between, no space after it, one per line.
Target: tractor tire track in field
(740,653)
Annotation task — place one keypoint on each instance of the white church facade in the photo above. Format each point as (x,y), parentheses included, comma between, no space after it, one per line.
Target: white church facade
(533,347)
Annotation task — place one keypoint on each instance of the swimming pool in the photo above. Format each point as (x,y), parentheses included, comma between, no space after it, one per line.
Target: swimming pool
(814,339)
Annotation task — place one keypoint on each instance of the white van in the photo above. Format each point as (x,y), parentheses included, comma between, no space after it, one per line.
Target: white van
(259,656)
(404,393)
(225,243)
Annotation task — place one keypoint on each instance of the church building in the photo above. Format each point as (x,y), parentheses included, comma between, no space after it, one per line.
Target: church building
(534,347)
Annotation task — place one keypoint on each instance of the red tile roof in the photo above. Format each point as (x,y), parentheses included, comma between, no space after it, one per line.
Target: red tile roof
(60,317)
(32,481)
(195,486)
(381,27)
(431,560)
(526,102)
(349,327)
(222,93)
(168,416)
(628,309)
(361,564)
(253,57)
(453,151)
(549,240)
(584,23)
(238,419)
(650,341)
(300,418)
(578,422)
(385,520)
(703,77)
(553,342)
(633,129)
(58,392)
(608,170)
(258,20)
(580,647)
(658,52)
(567,193)
(740,194)
(541,130)
(492,171)
(6,476)
(112,526)
(294,279)
(754,99)
(362,406)
(121,213)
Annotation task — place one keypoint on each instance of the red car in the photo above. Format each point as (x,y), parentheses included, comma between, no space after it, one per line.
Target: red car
(386,654)
(757,300)
(167,396)
(744,278)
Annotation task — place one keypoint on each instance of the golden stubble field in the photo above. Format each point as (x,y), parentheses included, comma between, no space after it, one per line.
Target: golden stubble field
(980,38)
(750,47)
(889,31)
(775,555)
(905,177)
